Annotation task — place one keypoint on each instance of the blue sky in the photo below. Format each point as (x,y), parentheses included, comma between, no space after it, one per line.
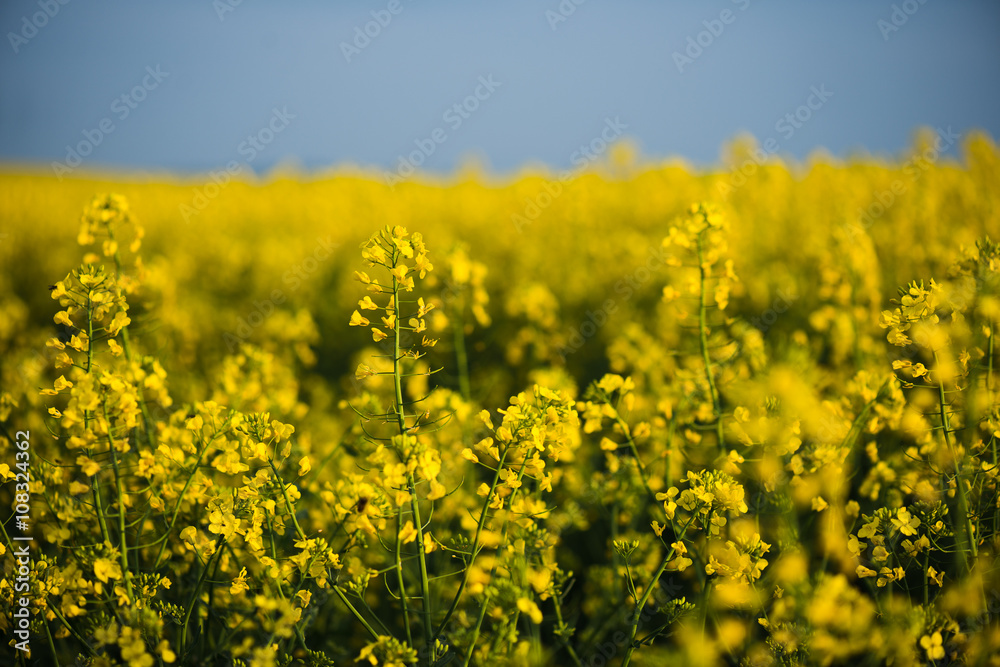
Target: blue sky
(224,70)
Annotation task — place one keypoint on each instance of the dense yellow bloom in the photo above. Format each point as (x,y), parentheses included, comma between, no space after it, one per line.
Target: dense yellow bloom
(720,416)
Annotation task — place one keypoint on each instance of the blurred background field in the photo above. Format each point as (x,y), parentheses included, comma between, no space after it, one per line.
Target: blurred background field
(829,232)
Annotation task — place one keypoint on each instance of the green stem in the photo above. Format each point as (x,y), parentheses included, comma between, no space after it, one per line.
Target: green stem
(127,347)
(425,592)
(963,502)
(493,570)
(703,338)
(989,369)
(51,642)
(399,576)
(414,503)
(927,563)
(561,625)
(357,614)
(635,453)
(645,596)
(195,594)
(122,539)
(90,336)
(475,545)
(98,501)
(99,506)
(704,606)
(288,503)
(475,632)
(62,619)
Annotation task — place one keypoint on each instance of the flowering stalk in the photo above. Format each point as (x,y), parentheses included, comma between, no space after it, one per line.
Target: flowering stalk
(388,249)
(102,216)
(532,426)
(400,408)
(702,236)
(493,571)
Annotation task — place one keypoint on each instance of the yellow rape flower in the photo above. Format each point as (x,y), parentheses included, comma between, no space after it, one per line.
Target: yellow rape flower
(106,570)
(408,533)
(530,608)
(239,584)
(933,645)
